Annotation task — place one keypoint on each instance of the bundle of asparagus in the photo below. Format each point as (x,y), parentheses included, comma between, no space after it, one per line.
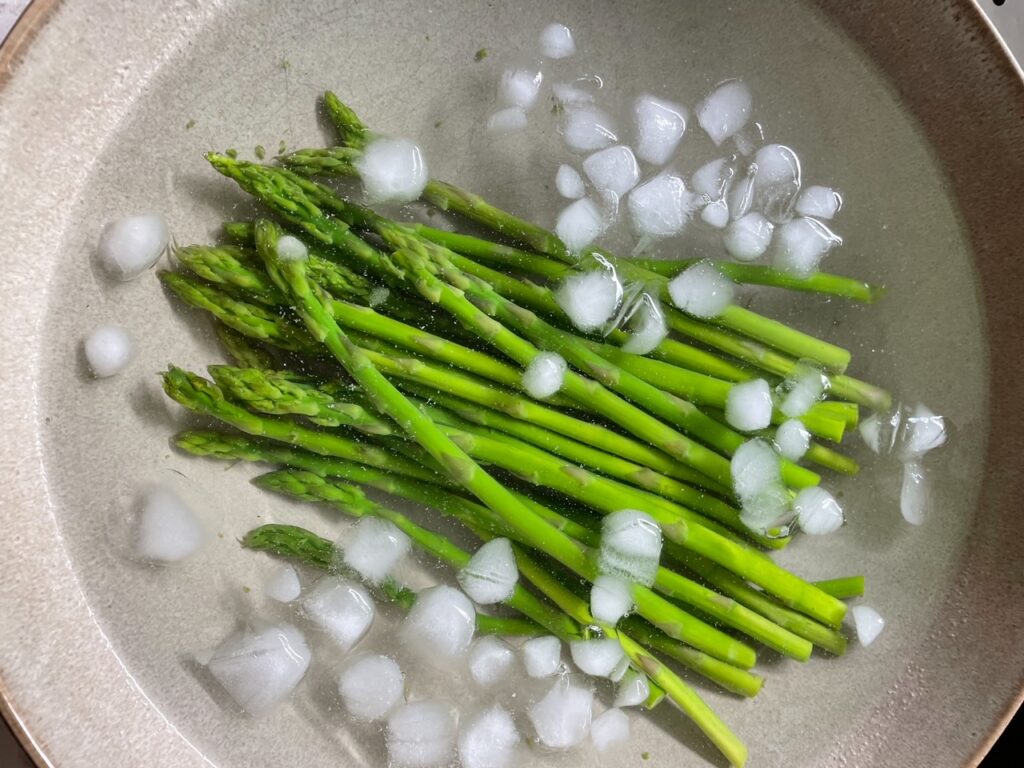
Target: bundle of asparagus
(390,355)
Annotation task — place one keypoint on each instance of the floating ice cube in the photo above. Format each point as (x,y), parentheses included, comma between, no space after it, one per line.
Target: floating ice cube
(490,660)
(589,298)
(588,129)
(769,509)
(489,740)
(755,467)
(801,244)
(609,729)
(519,88)
(130,246)
(579,224)
(819,202)
(283,585)
(569,183)
(108,350)
(713,179)
(542,656)
(802,388)
(660,125)
(260,666)
(716,214)
(610,599)
(633,689)
(647,327)
(562,718)
(923,431)
(914,496)
(747,238)
(792,439)
(392,170)
(341,608)
(740,197)
(817,511)
(777,181)
(612,171)
(602,657)
(748,406)
(571,94)
(290,248)
(868,622)
(421,735)
(556,42)
(507,120)
(167,530)
(441,623)
(660,207)
(375,549)
(371,686)
(630,546)
(726,110)
(491,574)
(701,290)
(544,376)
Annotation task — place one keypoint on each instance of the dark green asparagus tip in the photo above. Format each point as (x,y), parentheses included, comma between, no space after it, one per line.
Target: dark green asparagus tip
(350,128)
(291,541)
(312,487)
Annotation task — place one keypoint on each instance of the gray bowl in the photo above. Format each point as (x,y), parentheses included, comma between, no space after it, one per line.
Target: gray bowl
(913,109)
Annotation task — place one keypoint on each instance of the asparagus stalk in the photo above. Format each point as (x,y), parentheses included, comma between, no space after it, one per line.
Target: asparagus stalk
(449,197)
(228,447)
(199,395)
(280,393)
(287,195)
(353,502)
(317,552)
(842,588)
(678,692)
(245,352)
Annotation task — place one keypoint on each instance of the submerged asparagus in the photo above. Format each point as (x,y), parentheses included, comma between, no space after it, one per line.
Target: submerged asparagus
(420,394)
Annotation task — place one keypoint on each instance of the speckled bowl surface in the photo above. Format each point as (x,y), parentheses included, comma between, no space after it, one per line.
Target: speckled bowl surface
(913,109)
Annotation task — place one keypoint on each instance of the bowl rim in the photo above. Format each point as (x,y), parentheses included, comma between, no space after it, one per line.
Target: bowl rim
(39,12)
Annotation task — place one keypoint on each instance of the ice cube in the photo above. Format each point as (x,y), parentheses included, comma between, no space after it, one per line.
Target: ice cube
(556,42)
(441,623)
(371,686)
(569,183)
(609,729)
(819,202)
(562,718)
(542,656)
(801,244)
(661,206)
(519,88)
(602,657)
(748,237)
(612,171)
(792,439)
(589,298)
(375,549)
(748,406)
(817,511)
(489,740)
(108,350)
(630,546)
(131,245)
(588,129)
(167,530)
(544,375)
(392,170)
(490,660)
(343,609)
(421,734)
(610,599)
(755,467)
(491,574)
(261,665)
(660,125)
(579,224)
(283,585)
(726,110)
(701,290)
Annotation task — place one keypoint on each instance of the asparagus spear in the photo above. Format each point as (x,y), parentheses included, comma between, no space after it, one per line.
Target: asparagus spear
(843,588)
(287,195)
(243,350)
(280,393)
(661,613)
(449,197)
(232,448)
(273,328)
(352,501)
(306,547)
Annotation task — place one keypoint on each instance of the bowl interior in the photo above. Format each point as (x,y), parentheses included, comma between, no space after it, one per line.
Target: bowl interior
(250,74)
